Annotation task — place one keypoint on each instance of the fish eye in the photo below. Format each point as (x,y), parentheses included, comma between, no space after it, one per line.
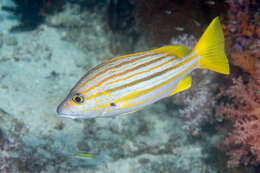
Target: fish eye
(78,99)
(112,104)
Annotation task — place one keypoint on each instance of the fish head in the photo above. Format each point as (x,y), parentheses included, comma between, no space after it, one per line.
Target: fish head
(78,105)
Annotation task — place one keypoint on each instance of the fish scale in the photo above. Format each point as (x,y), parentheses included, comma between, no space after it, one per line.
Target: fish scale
(114,65)
(140,66)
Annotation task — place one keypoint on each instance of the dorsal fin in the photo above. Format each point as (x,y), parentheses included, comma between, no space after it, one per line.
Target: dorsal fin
(179,51)
(184,84)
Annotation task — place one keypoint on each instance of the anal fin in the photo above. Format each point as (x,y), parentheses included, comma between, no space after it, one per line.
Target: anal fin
(184,84)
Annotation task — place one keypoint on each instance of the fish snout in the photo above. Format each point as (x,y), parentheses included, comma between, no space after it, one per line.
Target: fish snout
(63,112)
(59,109)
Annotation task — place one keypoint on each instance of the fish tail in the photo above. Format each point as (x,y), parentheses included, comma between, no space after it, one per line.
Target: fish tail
(211,49)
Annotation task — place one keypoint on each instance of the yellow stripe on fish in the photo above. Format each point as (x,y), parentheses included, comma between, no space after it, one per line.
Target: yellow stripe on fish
(131,82)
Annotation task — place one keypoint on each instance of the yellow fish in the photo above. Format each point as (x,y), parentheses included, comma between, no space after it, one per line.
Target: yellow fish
(131,82)
(85,156)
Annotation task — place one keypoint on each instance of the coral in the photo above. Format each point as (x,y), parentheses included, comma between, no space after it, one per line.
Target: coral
(240,102)
(240,25)
(242,144)
(199,101)
(244,60)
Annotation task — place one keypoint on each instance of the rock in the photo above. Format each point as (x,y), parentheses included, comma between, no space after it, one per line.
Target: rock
(1,39)
(11,41)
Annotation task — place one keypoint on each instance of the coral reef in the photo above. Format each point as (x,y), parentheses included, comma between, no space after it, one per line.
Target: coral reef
(37,68)
(242,144)
(243,110)
(199,102)
(240,102)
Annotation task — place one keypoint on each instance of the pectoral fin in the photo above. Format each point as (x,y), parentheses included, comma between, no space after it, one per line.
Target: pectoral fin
(184,84)
(124,101)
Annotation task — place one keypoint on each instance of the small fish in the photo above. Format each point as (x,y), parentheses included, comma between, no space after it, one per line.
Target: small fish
(85,156)
(178,28)
(131,82)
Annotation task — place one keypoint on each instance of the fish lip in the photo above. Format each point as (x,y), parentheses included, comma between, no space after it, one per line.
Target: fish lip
(71,116)
(59,109)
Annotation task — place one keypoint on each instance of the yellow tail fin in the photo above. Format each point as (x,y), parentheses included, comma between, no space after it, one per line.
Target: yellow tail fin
(211,49)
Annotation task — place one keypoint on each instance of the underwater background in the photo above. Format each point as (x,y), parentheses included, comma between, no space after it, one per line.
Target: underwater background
(46,46)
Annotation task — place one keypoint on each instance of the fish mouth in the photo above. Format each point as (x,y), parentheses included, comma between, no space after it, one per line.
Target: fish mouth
(71,116)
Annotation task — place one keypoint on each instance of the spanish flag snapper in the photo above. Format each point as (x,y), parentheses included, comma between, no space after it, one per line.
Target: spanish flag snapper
(128,83)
